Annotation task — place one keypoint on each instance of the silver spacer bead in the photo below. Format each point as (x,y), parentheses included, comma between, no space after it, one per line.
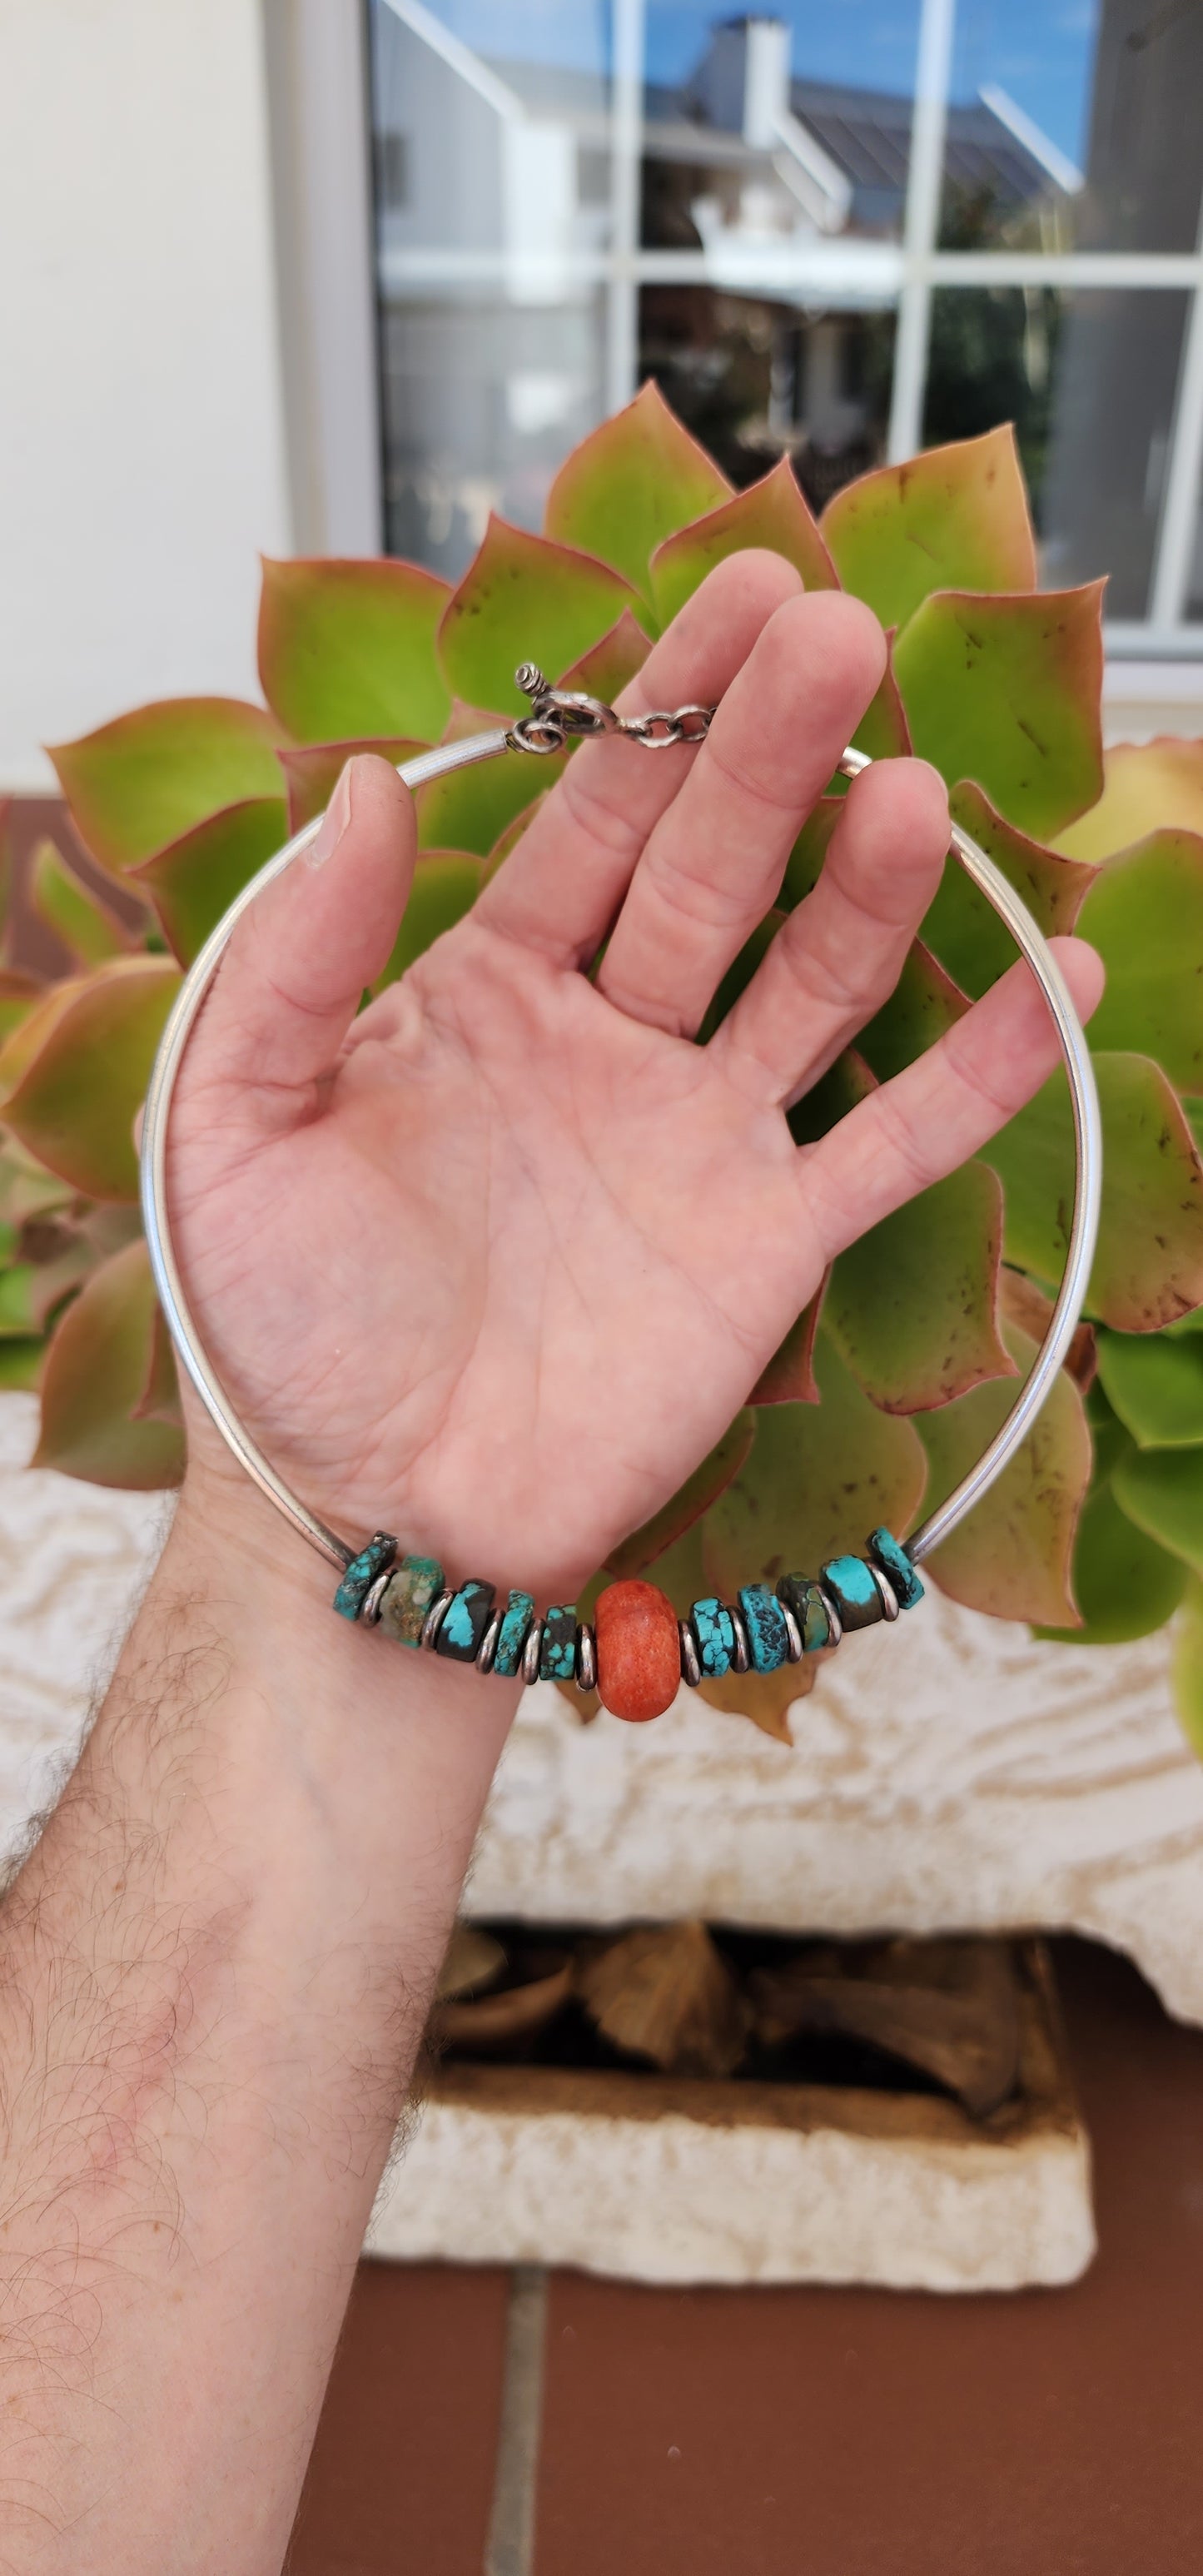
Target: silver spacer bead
(532,1651)
(435,1616)
(793,1632)
(487,1648)
(889,1598)
(834,1621)
(742,1657)
(586,1657)
(369,1614)
(691,1670)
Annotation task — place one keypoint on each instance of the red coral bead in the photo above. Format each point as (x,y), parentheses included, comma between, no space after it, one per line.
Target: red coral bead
(638,1651)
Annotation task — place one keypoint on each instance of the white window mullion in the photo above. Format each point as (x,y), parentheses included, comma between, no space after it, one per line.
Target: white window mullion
(924,182)
(626,159)
(1184,479)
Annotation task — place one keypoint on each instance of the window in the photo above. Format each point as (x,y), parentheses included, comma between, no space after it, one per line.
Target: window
(834,234)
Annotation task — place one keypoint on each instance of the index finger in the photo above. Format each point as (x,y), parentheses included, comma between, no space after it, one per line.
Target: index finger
(560,889)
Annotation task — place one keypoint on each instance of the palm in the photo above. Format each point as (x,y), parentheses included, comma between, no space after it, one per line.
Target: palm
(494,1263)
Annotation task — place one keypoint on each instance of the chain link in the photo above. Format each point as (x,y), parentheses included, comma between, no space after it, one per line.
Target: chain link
(558,716)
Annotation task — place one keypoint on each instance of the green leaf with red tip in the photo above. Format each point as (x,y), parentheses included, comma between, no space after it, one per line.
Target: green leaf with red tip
(845,1084)
(819,1478)
(771,514)
(98,1369)
(151,776)
(470,808)
(445,886)
(524,599)
(629,485)
(1144,914)
(86,927)
(790,1375)
(18,1312)
(1187,1669)
(963,929)
(159,1399)
(606,668)
(347,650)
(312,772)
(195,879)
(1124,1584)
(1148,1268)
(686,1506)
(1007,692)
(73,1076)
(923,1006)
(1012,1556)
(1148,787)
(807,858)
(1155,1385)
(913,1306)
(954,518)
(1162,1491)
(20,1364)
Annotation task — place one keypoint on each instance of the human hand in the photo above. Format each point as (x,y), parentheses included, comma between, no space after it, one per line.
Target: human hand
(494,1263)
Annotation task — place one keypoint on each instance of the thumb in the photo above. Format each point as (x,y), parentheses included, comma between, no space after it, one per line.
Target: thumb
(290,982)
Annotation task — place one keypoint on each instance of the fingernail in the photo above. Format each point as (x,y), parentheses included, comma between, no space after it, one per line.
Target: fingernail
(334,821)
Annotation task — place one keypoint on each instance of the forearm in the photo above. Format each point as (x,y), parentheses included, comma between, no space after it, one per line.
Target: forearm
(216,1968)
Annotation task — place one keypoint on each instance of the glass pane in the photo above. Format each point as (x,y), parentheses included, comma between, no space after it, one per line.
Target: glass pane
(492,176)
(1089,380)
(1074,126)
(757,379)
(763,132)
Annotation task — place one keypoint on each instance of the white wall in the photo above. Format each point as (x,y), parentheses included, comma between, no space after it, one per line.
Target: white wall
(142,456)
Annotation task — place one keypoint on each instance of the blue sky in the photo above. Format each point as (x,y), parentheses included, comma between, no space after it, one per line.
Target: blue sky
(1038,50)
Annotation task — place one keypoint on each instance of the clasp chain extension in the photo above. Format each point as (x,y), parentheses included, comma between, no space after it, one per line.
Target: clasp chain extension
(560,714)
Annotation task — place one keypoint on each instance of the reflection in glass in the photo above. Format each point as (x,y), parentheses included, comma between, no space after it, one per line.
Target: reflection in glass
(1089,380)
(1074,127)
(756,379)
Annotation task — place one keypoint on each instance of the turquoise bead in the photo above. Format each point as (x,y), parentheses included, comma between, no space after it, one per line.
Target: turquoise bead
(557,1657)
(896,1564)
(467,1617)
(411,1591)
(768,1636)
(850,1582)
(802,1595)
(513,1633)
(361,1574)
(715,1634)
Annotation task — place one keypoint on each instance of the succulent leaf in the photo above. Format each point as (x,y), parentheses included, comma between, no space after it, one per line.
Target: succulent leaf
(73,1076)
(603,672)
(1012,1556)
(818,1478)
(98,1369)
(924,1004)
(524,599)
(1188,1668)
(470,809)
(883,731)
(1147,787)
(19,993)
(790,1375)
(954,518)
(445,886)
(195,879)
(346,649)
(87,929)
(963,929)
(1124,1584)
(913,1305)
(806,860)
(771,514)
(21,1363)
(640,1552)
(1162,1491)
(1149,1264)
(630,484)
(150,776)
(1006,692)
(1155,1385)
(312,772)
(1144,914)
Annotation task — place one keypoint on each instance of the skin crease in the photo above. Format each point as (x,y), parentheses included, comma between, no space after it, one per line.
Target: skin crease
(491,1264)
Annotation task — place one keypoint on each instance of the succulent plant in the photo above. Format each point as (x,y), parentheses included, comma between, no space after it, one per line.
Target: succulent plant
(892,1381)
